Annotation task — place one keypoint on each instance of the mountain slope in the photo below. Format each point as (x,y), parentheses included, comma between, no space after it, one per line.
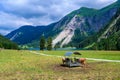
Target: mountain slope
(110,38)
(107,38)
(26,34)
(87,21)
(93,22)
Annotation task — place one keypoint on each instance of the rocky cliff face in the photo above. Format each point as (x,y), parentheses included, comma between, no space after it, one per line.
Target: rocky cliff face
(87,23)
(66,35)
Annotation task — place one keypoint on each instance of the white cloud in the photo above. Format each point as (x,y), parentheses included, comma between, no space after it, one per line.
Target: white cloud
(10,20)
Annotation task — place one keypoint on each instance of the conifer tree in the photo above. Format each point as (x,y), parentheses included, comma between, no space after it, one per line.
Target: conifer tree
(49,43)
(42,42)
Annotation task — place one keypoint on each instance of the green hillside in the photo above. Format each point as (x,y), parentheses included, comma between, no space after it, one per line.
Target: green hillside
(7,44)
(107,38)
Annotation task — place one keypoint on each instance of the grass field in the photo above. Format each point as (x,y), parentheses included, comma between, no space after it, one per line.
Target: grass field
(23,65)
(111,55)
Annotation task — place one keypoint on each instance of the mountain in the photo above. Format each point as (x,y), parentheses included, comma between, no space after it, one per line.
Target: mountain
(72,29)
(110,37)
(28,33)
(7,44)
(107,38)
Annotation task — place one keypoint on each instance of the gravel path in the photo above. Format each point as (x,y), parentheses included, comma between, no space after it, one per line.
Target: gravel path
(86,58)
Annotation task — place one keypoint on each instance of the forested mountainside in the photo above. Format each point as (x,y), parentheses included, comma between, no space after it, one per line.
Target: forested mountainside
(108,38)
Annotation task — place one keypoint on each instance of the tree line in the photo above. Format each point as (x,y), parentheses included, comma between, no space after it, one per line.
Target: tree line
(7,44)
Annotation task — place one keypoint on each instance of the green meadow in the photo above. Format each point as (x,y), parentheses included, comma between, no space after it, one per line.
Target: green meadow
(24,65)
(110,55)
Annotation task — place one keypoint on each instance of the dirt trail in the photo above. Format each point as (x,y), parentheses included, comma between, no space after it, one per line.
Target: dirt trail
(86,58)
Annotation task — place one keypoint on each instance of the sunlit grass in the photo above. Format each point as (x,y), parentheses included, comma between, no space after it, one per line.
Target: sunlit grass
(111,55)
(23,65)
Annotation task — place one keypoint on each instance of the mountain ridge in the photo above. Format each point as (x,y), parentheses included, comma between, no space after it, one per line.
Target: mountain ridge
(107,38)
(88,21)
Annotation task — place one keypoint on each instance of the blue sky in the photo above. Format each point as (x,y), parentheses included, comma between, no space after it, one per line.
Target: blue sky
(15,13)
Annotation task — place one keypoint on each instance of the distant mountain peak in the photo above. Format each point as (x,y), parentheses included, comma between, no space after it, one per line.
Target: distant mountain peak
(26,26)
(86,8)
(84,11)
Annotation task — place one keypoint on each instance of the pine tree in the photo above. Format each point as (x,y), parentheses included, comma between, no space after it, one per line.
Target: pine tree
(42,43)
(49,43)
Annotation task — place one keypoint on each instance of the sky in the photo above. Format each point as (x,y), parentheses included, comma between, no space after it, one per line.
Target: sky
(16,13)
